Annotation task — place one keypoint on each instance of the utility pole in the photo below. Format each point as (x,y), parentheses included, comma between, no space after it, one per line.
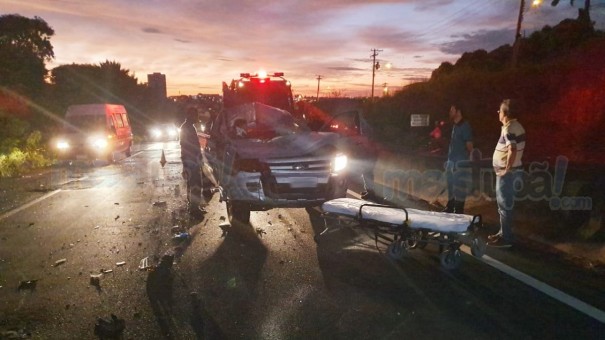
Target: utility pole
(318,80)
(517,43)
(375,66)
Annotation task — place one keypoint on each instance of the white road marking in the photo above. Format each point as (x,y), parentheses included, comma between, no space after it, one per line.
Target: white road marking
(554,293)
(27,205)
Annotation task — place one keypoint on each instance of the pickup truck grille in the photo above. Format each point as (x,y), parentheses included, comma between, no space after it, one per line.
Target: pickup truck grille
(302,178)
(299,165)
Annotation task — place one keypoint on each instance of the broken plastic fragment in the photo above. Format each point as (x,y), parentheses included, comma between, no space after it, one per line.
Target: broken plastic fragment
(95,280)
(181,236)
(119,264)
(159,204)
(60,262)
(260,232)
(144,264)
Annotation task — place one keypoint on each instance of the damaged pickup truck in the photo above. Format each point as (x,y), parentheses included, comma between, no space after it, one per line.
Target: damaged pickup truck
(262,158)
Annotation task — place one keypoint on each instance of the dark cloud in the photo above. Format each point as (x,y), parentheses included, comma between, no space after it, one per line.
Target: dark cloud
(182,41)
(392,38)
(429,5)
(151,30)
(224,59)
(362,60)
(360,84)
(345,68)
(486,40)
(422,70)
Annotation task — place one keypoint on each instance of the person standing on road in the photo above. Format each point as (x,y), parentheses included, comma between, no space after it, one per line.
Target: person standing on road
(507,165)
(456,174)
(191,154)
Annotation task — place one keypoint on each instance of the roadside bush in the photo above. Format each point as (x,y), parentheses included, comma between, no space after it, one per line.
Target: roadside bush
(21,150)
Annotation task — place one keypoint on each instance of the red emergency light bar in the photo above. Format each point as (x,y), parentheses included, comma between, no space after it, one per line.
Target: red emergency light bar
(249,75)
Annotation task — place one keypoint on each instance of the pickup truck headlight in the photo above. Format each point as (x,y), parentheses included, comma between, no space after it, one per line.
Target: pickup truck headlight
(339,163)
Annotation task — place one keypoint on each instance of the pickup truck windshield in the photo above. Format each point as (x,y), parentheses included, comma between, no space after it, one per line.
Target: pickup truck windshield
(259,121)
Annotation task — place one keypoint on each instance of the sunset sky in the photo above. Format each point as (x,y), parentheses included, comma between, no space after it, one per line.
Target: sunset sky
(200,43)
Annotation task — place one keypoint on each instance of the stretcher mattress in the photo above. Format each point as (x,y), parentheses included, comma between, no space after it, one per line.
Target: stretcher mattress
(417,219)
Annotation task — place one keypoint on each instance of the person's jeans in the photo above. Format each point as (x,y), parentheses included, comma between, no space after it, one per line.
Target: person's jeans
(505,197)
(194,182)
(458,178)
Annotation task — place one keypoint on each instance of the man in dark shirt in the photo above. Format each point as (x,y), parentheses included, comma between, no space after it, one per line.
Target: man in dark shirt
(191,154)
(457,176)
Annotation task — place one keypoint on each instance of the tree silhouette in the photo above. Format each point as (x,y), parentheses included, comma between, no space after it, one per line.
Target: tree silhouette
(583,13)
(24,48)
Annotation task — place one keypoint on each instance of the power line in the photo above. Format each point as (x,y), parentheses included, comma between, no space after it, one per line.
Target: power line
(461,14)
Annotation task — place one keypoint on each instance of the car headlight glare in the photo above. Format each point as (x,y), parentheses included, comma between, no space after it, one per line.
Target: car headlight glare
(339,163)
(62,145)
(156,133)
(99,143)
(172,132)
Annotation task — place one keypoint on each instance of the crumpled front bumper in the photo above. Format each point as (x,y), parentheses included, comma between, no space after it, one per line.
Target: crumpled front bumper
(264,192)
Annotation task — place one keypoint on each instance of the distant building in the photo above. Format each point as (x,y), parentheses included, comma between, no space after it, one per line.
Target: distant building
(157,85)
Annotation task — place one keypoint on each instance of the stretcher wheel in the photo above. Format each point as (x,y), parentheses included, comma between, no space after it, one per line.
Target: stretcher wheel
(478,246)
(411,243)
(396,250)
(422,242)
(451,259)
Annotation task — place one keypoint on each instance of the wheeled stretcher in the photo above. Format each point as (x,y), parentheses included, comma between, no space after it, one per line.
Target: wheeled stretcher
(404,229)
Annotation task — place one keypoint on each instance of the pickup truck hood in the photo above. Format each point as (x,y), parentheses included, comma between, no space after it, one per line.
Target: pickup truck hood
(294,145)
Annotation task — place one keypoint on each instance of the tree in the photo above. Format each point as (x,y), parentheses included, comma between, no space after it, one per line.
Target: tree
(583,13)
(87,83)
(24,49)
(106,82)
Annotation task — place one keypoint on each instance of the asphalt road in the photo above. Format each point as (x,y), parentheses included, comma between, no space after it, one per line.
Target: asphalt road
(267,280)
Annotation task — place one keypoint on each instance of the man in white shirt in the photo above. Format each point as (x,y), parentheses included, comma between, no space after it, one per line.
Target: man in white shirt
(507,165)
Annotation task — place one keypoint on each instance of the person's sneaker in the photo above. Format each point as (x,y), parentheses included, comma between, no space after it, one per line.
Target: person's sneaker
(499,243)
(494,237)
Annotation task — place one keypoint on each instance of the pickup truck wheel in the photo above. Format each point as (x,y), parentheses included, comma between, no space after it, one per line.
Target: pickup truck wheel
(238,212)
